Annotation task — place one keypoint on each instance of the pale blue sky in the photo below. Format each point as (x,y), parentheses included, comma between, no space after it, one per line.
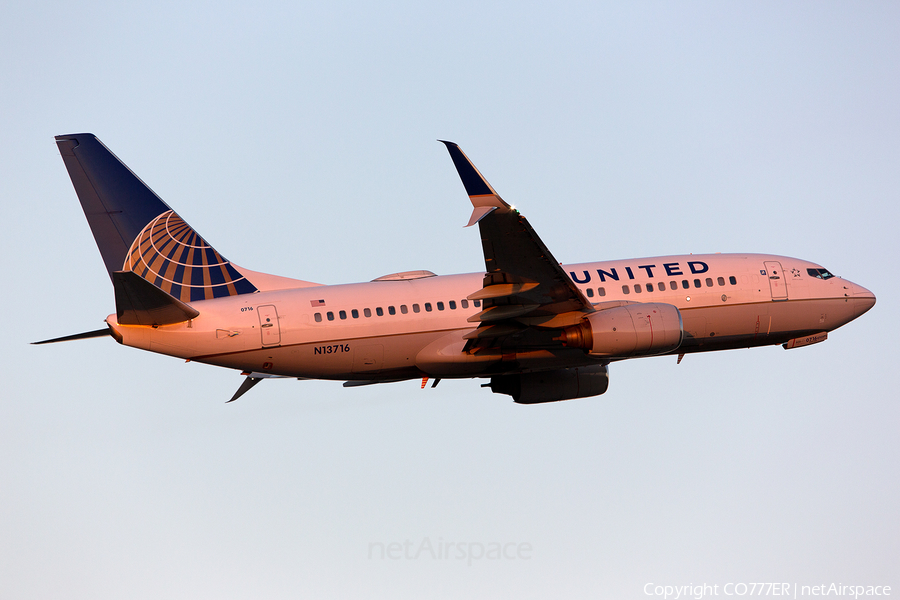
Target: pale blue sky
(299,139)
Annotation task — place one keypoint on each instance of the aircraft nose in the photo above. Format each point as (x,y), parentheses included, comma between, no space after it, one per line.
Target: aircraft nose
(863,298)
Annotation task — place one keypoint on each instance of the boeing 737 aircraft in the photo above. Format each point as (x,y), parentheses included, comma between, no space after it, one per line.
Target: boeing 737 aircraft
(539,331)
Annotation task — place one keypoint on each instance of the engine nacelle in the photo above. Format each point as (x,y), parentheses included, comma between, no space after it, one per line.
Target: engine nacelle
(638,329)
(551,386)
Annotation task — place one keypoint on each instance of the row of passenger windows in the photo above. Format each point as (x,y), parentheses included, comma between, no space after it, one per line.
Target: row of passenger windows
(392,310)
(451,304)
(661,286)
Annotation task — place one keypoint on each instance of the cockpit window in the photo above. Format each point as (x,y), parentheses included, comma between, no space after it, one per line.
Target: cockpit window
(820,273)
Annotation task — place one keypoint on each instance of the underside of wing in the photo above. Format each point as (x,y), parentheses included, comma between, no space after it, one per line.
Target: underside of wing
(526,296)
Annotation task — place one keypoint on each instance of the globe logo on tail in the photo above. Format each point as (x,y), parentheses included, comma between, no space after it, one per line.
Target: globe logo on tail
(172,256)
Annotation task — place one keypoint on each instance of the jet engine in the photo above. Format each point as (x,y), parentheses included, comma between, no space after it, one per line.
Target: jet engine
(551,386)
(638,329)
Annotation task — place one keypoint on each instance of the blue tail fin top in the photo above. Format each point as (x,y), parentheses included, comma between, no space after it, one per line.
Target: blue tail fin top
(136,231)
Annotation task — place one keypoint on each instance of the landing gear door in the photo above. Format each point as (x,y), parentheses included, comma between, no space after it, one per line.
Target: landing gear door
(777,280)
(268,325)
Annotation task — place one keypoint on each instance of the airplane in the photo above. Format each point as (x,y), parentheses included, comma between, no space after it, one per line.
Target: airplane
(535,329)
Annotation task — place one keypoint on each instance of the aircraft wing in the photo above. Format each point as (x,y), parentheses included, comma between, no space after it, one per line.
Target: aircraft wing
(524,286)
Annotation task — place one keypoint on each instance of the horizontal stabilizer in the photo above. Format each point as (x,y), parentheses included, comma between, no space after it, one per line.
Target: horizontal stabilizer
(139,302)
(248,383)
(78,336)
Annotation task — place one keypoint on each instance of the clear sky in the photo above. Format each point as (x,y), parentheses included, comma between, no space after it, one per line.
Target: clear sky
(299,139)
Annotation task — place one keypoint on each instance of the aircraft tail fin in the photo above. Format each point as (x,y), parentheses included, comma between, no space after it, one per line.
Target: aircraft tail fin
(137,232)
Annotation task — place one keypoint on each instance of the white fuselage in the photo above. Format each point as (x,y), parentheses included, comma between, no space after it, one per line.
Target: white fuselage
(406,328)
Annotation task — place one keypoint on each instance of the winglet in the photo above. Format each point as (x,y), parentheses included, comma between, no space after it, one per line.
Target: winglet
(523,285)
(484,198)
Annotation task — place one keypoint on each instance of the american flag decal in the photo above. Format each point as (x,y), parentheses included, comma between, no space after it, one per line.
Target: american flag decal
(315,303)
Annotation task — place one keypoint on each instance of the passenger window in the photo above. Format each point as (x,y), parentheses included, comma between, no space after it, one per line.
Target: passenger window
(601,291)
(354,313)
(477,303)
(709,282)
(732,280)
(697,283)
(415,308)
(590,292)
(440,306)
(626,289)
(452,304)
(330,315)
(720,281)
(649,287)
(318,317)
(637,288)
(464,303)
(685,284)
(379,311)
(392,310)
(343,315)
(367,312)
(673,285)
(428,307)
(403,309)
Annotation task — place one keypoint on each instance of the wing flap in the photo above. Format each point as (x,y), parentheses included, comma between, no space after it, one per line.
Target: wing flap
(501,312)
(524,285)
(493,331)
(501,290)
